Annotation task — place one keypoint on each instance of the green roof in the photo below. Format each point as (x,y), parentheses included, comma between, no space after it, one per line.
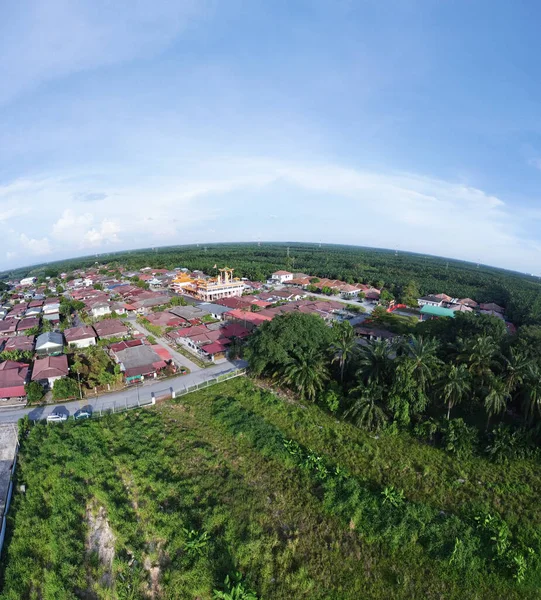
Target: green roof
(437,311)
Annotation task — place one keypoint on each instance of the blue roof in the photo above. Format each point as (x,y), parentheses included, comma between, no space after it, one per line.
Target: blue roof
(437,311)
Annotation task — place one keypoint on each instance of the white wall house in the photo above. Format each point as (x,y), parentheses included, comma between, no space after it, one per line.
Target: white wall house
(429,301)
(100,309)
(282,276)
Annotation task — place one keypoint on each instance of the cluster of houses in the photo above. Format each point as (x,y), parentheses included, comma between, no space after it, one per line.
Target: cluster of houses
(442,305)
(223,310)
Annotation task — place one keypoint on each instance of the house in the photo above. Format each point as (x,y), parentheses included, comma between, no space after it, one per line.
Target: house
(429,301)
(444,297)
(33,311)
(137,360)
(282,276)
(51,308)
(468,302)
(99,309)
(110,328)
(27,323)
(27,281)
(460,308)
(80,337)
(21,343)
(165,319)
(373,333)
(189,313)
(492,307)
(13,376)
(49,369)
(49,343)
(8,327)
(216,311)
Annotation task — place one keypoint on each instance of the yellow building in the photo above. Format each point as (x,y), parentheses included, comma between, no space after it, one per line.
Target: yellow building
(211,289)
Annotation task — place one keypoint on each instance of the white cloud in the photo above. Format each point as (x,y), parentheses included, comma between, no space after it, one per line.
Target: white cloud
(106,233)
(228,200)
(35,247)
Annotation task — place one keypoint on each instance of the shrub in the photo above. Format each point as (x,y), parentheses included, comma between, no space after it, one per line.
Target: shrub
(459,438)
(34,391)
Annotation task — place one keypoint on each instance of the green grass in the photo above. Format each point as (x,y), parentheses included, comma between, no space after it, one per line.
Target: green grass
(233,478)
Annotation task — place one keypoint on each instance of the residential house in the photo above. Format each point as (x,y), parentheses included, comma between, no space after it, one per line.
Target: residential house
(216,311)
(444,298)
(25,324)
(137,360)
(492,307)
(8,327)
(373,333)
(80,337)
(460,308)
(50,343)
(189,313)
(49,369)
(28,281)
(111,328)
(13,377)
(468,302)
(21,343)
(99,309)
(33,311)
(429,301)
(282,276)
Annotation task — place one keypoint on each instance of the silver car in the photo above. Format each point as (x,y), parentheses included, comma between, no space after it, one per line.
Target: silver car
(56,417)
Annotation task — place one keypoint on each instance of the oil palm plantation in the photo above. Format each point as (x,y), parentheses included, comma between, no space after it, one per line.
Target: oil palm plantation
(481,355)
(456,385)
(531,404)
(423,362)
(344,346)
(366,408)
(306,373)
(375,362)
(517,365)
(496,398)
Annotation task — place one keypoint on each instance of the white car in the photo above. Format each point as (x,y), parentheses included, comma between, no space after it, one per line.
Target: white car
(57,417)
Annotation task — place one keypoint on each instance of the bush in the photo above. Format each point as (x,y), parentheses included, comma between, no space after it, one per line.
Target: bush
(459,438)
(507,444)
(34,391)
(65,388)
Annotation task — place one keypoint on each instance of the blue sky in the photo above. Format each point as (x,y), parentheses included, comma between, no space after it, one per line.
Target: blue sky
(404,124)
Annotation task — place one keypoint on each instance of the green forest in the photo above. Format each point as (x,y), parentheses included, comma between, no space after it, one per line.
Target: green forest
(235,492)
(401,273)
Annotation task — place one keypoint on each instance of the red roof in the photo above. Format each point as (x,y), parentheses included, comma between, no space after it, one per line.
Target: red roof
(234,330)
(162,352)
(79,333)
(51,366)
(256,318)
(214,348)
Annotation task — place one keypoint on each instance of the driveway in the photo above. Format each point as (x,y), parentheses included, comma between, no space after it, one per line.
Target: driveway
(178,358)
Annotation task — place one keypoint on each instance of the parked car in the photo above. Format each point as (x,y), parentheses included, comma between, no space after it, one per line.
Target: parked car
(56,417)
(83,413)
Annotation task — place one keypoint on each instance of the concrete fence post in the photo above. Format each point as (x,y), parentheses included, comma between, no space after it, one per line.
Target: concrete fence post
(153,397)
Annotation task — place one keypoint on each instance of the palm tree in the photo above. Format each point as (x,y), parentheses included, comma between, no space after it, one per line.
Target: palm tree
(532,393)
(344,346)
(366,410)
(375,361)
(516,368)
(306,372)
(480,355)
(421,355)
(456,384)
(497,397)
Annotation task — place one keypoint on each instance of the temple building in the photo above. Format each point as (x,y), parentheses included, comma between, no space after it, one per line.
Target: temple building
(211,289)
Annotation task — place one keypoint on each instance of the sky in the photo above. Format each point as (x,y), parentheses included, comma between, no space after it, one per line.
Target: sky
(404,124)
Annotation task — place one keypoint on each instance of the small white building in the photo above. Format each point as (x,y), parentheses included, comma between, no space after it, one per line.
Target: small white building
(100,309)
(429,301)
(80,337)
(282,276)
(28,281)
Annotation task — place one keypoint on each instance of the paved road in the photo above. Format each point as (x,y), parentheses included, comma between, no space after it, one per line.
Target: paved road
(178,358)
(133,396)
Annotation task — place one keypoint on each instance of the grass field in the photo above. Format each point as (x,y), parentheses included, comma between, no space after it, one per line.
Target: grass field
(165,502)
